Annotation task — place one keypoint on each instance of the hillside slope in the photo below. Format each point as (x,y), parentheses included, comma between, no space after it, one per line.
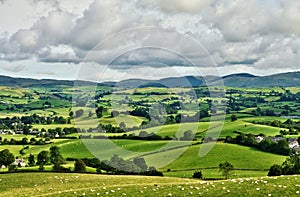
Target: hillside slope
(234,80)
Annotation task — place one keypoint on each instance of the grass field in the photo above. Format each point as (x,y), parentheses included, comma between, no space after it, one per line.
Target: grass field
(240,156)
(246,127)
(201,128)
(54,184)
(180,157)
(175,129)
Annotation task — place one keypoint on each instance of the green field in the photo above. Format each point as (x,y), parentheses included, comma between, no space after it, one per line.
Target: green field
(246,127)
(241,157)
(184,157)
(55,184)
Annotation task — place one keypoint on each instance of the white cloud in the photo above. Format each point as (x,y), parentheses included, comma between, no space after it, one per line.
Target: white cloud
(256,34)
(175,6)
(12,68)
(60,53)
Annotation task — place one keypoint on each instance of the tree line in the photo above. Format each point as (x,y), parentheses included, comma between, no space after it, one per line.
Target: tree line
(267,145)
(290,166)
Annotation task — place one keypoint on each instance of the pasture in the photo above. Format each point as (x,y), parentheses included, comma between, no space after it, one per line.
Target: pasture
(55,184)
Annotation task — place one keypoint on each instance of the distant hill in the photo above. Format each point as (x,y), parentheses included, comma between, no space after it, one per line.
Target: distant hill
(27,82)
(246,80)
(234,80)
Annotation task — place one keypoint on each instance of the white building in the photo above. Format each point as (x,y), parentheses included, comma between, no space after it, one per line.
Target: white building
(19,162)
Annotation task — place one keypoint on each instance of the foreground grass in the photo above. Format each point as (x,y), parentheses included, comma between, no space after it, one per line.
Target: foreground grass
(55,184)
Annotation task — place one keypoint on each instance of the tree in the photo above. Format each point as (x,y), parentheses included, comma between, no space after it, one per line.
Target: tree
(143,134)
(6,157)
(226,168)
(275,170)
(79,113)
(122,125)
(153,172)
(99,111)
(114,114)
(233,118)
(43,158)
(71,114)
(12,167)
(31,160)
(140,162)
(197,174)
(55,156)
(24,141)
(22,152)
(188,135)
(79,166)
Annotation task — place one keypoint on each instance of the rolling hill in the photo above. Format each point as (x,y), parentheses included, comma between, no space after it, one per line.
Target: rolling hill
(234,80)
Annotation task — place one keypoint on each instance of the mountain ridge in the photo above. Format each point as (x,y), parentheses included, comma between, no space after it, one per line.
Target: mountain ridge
(232,80)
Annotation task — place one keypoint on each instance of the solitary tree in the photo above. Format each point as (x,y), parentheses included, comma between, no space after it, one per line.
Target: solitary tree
(188,135)
(233,118)
(6,157)
(226,168)
(79,166)
(197,174)
(79,113)
(71,114)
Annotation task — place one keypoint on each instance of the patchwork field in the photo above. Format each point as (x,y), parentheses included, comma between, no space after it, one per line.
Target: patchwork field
(125,112)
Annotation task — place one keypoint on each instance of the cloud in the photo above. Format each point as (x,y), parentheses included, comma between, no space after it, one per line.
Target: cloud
(28,40)
(12,68)
(61,53)
(103,19)
(175,6)
(229,33)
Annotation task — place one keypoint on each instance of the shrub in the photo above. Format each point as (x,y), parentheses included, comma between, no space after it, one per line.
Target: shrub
(197,175)
(12,168)
(79,166)
(275,170)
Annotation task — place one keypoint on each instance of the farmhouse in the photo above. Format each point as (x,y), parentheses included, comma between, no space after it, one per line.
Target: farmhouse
(7,132)
(259,139)
(276,139)
(17,123)
(19,162)
(19,132)
(297,149)
(293,142)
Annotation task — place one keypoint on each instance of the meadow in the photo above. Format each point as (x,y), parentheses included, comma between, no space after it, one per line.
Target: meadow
(55,184)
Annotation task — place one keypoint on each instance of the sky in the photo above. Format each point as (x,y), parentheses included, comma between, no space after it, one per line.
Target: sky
(111,40)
